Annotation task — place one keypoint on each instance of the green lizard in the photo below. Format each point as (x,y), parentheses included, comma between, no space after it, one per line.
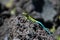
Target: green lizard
(35,21)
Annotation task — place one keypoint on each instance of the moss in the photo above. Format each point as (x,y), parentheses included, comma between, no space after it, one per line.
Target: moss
(9,4)
(52,29)
(13,11)
(58,37)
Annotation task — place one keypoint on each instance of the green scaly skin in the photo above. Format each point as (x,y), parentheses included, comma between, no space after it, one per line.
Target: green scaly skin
(29,17)
(33,20)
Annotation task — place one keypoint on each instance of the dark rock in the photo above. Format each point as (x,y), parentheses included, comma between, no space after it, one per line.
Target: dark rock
(38,5)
